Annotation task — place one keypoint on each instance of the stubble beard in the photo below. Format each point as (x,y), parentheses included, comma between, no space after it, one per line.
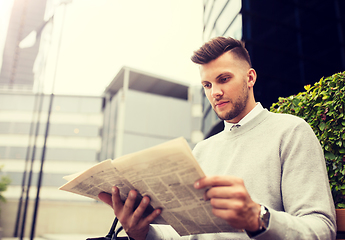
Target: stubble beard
(238,107)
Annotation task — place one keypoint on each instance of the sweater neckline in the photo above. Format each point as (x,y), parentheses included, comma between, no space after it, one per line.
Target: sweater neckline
(255,111)
(257,120)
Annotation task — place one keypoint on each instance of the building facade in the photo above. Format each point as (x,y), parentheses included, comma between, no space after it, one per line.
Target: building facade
(73,141)
(291,43)
(73,144)
(142,110)
(16,70)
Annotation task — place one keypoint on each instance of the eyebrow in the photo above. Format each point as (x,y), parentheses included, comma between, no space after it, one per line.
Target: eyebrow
(218,77)
(222,74)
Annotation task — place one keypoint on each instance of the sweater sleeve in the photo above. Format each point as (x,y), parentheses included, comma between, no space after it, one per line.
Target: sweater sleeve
(308,207)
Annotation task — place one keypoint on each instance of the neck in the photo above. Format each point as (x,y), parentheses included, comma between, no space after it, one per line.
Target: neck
(249,106)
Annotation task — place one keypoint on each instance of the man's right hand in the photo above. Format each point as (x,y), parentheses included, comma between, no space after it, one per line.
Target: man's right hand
(132,220)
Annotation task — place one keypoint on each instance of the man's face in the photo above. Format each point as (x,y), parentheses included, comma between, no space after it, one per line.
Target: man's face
(226,81)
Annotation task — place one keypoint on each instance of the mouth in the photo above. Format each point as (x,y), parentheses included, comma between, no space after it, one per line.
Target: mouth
(220,104)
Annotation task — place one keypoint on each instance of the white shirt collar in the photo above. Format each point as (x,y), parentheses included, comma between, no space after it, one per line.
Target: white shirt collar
(252,114)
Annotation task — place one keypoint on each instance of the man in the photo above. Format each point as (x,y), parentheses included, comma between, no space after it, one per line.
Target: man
(265,172)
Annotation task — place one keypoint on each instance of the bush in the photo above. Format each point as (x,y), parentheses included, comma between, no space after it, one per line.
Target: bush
(4,182)
(322,106)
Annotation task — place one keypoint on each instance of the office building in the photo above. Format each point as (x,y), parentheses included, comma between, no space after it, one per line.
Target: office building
(17,64)
(142,110)
(73,145)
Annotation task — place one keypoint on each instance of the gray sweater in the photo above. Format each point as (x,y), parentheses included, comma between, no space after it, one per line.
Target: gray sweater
(282,164)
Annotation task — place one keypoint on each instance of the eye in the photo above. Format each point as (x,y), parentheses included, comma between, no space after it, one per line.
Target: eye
(224,79)
(206,85)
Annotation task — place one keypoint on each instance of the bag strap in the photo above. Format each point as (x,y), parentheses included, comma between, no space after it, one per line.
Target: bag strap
(112,229)
(111,234)
(118,231)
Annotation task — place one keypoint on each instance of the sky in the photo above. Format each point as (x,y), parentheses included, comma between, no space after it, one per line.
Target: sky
(101,36)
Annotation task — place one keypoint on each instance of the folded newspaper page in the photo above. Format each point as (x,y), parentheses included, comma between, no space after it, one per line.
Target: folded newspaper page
(166,173)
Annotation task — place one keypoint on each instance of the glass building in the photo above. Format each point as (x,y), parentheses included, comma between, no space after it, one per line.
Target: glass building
(73,144)
(291,43)
(16,69)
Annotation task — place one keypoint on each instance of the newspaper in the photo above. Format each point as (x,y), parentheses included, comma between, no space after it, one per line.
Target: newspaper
(166,173)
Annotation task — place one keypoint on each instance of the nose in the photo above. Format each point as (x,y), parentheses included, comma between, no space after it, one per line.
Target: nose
(216,91)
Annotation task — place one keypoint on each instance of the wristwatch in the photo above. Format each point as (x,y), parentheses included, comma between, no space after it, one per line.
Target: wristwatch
(264,219)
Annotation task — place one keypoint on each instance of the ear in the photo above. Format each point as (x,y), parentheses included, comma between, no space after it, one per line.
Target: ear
(251,77)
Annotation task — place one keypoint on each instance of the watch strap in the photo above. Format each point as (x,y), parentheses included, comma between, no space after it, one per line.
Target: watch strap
(264,218)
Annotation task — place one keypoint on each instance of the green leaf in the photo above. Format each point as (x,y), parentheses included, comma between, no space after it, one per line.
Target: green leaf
(340,205)
(322,126)
(339,143)
(295,102)
(328,103)
(342,150)
(329,155)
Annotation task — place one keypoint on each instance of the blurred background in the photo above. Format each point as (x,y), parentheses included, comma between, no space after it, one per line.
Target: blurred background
(82,81)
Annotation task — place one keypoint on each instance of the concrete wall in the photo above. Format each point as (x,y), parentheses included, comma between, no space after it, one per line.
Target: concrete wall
(153,119)
(148,120)
(58,217)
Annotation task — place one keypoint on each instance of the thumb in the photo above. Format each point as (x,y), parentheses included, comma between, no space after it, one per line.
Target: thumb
(106,198)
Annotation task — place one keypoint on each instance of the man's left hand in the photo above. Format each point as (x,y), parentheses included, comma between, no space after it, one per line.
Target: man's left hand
(231,201)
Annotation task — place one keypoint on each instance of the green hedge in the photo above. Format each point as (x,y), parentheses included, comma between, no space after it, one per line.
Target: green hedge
(4,182)
(322,106)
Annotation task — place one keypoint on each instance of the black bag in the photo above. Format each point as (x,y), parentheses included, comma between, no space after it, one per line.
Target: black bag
(112,235)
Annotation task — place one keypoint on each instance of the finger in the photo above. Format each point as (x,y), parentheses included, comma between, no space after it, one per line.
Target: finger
(138,213)
(212,181)
(129,203)
(106,198)
(219,203)
(116,200)
(225,214)
(232,192)
(149,219)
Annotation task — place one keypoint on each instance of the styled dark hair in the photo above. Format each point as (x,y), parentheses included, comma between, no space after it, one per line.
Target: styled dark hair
(217,46)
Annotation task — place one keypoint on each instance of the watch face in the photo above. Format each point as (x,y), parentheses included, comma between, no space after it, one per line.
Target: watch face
(264,217)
